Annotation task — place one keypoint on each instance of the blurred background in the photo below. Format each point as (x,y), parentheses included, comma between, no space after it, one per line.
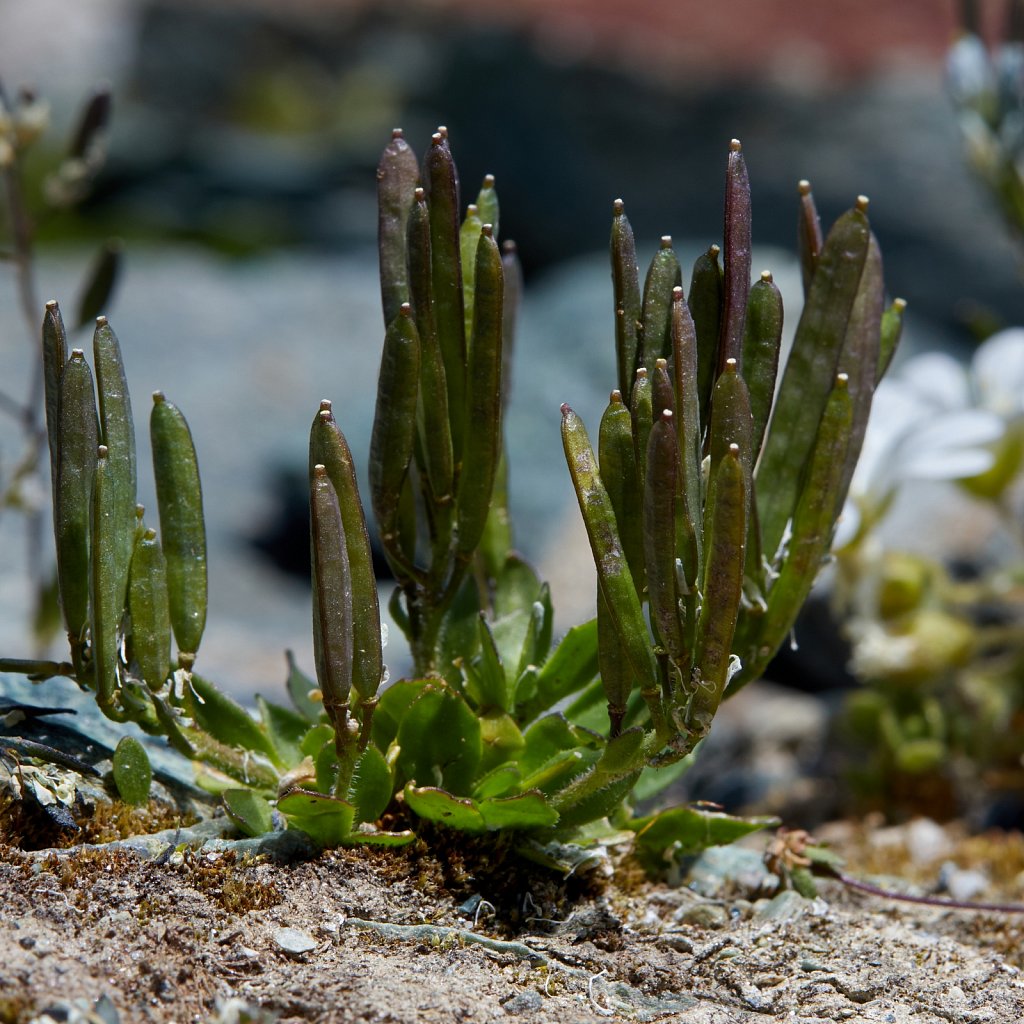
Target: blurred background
(240,180)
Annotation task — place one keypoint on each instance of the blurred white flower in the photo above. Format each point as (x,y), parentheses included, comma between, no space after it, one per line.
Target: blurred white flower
(938,420)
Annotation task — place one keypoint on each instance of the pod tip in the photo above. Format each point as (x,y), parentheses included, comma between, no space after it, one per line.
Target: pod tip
(397,133)
(677,293)
(487,230)
(565,409)
(862,203)
(418,194)
(766,276)
(488,181)
(77,353)
(661,364)
(437,139)
(509,247)
(405,309)
(158,396)
(101,321)
(615,396)
(803,186)
(714,250)
(899,305)
(730,365)
(52,306)
(735,146)
(319,471)
(101,451)
(618,207)
(666,415)
(666,241)
(442,130)
(641,373)
(325,405)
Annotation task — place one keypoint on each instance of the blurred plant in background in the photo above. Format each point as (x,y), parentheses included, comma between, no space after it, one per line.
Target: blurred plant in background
(939,639)
(23,121)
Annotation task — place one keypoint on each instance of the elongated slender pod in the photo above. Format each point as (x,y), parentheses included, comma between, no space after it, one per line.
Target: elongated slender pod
(179,499)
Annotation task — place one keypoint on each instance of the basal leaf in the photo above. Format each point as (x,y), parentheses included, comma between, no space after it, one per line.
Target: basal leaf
(371,787)
(227,721)
(440,743)
(249,811)
(528,810)
(440,806)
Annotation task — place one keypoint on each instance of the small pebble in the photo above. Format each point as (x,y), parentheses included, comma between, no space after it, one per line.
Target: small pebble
(963,883)
(926,841)
(787,906)
(293,941)
(525,1002)
(703,915)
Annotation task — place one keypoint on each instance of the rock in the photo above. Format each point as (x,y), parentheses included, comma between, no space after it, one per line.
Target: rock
(787,906)
(926,841)
(294,941)
(525,1002)
(963,883)
(703,915)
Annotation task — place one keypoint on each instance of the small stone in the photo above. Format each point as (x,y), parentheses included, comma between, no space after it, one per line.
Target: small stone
(787,906)
(525,1002)
(926,841)
(703,915)
(26,942)
(294,941)
(963,883)
(674,940)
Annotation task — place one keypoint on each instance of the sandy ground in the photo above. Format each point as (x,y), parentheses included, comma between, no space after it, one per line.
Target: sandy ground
(410,936)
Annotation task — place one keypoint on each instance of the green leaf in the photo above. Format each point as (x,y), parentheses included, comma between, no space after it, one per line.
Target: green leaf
(371,788)
(440,806)
(460,634)
(299,687)
(500,737)
(549,736)
(498,781)
(528,810)
(373,837)
(394,702)
(249,811)
(227,721)
(285,729)
(132,771)
(571,666)
(326,819)
(314,740)
(486,680)
(560,770)
(439,738)
(683,831)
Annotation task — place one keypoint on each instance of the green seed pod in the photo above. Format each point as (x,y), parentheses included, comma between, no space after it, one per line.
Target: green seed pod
(469,237)
(117,433)
(737,256)
(705,304)
(150,611)
(333,616)
(762,338)
(626,287)
(55,355)
(487,204)
(891,332)
(687,420)
(106,598)
(659,521)
(441,181)
(179,500)
(482,424)
(809,374)
(434,421)
(814,518)
(860,355)
(619,474)
(77,440)
(642,408)
(398,175)
(663,275)
(613,574)
(808,233)
(662,393)
(723,586)
(616,672)
(394,424)
(328,447)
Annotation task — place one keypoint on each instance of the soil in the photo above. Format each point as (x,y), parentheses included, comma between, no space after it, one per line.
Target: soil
(459,931)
